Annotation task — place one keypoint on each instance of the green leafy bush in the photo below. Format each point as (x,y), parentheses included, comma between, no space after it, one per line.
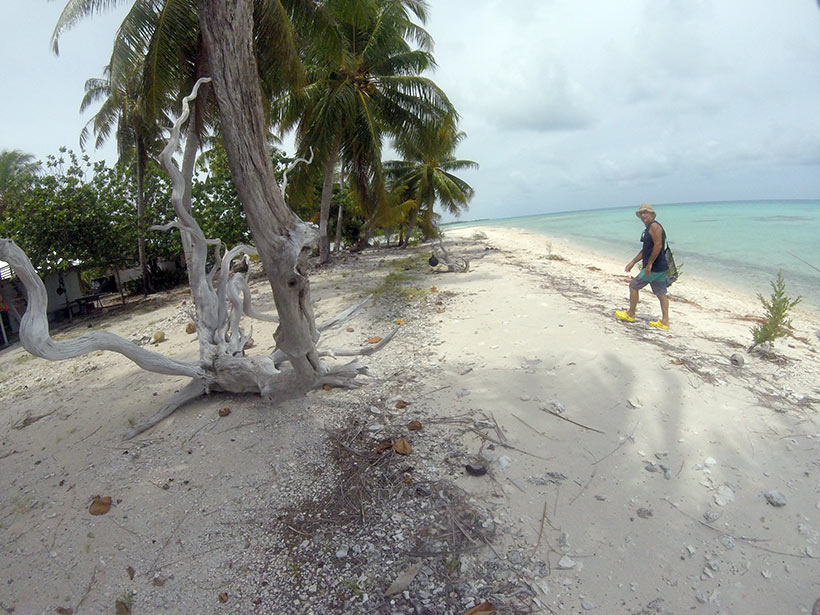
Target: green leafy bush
(776,323)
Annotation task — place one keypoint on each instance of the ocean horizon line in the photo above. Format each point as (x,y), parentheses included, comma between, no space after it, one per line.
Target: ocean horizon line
(614,207)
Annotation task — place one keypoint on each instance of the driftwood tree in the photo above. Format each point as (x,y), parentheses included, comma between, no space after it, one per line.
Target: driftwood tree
(221,299)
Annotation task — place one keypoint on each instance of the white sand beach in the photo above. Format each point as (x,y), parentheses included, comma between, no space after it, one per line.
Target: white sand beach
(629,470)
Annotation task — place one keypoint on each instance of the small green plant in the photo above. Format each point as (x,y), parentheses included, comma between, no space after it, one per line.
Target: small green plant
(295,568)
(550,256)
(776,323)
(353,586)
(452,566)
(479,235)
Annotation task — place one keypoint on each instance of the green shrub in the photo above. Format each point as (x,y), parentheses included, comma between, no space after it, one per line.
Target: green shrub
(777,323)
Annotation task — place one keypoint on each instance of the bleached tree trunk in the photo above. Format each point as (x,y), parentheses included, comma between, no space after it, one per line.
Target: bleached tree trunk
(220,303)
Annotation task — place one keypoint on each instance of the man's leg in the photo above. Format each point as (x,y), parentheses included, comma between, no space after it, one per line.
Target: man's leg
(664,301)
(633,302)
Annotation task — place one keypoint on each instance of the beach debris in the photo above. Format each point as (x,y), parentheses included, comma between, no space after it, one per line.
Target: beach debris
(563,542)
(121,608)
(414,425)
(724,495)
(566,563)
(350,329)
(737,360)
(400,321)
(432,261)
(712,515)
(402,447)
(61,610)
(727,541)
(634,402)
(342,552)
(159,336)
(190,328)
(475,470)
(554,405)
(549,478)
(224,411)
(30,420)
(644,513)
(401,404)
(223,597)
(775,498)
(374,340)
(651,466)
(100,505)
(249,344)
(403,581)
(131,572)
(485,608)
(504,462)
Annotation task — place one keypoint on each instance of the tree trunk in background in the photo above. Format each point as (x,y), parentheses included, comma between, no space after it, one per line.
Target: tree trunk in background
(324,208)
(141,164)
(337,245)
(282,239)
(411,225)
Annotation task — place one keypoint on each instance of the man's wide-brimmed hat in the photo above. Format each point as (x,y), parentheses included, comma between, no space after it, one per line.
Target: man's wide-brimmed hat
(645,207)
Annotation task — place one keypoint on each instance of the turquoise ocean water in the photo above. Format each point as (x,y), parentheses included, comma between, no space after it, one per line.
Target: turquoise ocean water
(740,245)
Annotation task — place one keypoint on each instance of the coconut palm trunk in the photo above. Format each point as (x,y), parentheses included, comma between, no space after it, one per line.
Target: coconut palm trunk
(324,209)
(280,236)
(337,245)
(141,163)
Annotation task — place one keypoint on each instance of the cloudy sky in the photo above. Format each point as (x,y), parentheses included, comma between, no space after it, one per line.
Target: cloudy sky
(567,105)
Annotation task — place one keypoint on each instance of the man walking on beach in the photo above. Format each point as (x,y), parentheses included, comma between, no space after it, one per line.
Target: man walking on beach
(653,271)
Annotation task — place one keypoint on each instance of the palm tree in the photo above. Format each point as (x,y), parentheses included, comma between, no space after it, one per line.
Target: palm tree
(138,135)
(14,163)
(364,84)
(164,38)
(425,176)
(159,53)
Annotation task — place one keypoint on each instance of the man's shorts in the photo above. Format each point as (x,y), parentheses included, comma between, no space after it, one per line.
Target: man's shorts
(656,280)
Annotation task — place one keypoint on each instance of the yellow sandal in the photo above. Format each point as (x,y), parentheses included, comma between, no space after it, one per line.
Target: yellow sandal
(622,314)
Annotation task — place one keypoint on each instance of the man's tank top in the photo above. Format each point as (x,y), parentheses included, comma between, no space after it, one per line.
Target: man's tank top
(660,263)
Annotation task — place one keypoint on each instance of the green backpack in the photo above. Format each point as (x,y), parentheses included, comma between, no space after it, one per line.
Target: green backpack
(672,273)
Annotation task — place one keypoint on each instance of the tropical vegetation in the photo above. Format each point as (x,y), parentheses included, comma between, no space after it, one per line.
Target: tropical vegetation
(776,323)
(364,84)
(345,74)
